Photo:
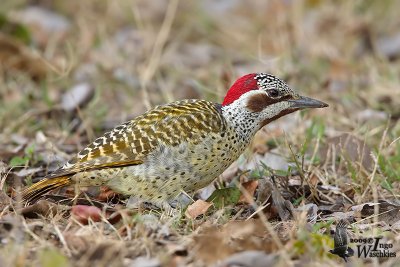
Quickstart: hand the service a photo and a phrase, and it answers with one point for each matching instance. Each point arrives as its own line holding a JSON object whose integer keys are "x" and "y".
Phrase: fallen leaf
{"x": 113, "y": 214}
{"x": 250, "y": 188}
{"x": 106, "y": 194}
{"x": 313, "y": 180}
{"x": 233, "y": 237}
{"x": 389, "y": 212}
{"x": 198, "y": 208}
{"x": 83, "y": 213}
{"x": 284, "y": 207}
{"x": 264, "y": 190}
{"x": 42, "y": 207}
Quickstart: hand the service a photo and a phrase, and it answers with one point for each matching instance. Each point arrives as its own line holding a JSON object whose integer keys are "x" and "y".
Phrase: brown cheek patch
{"x": 281, "y": 114}
{"x": 257, "y": 103}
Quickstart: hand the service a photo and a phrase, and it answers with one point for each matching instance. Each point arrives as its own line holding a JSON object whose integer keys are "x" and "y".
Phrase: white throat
{"x": 246, "y": 122}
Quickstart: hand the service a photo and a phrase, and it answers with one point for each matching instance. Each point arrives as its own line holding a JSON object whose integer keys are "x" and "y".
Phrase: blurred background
{"x": 71, "y": 70}
{"x": 130, "y": 55}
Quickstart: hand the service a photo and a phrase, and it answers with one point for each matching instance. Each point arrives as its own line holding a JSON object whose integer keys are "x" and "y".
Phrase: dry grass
{"x": 137, "y": 54}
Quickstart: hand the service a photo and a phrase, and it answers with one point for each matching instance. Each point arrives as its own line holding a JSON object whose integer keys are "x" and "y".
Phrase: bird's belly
{"x": 170, "y": 170}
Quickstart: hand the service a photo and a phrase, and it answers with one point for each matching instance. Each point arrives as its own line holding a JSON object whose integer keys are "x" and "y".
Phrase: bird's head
{"x": 266, "y": 97}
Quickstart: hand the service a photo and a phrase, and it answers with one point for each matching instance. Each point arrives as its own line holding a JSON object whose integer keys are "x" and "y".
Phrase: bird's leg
{"x": 174, "y": 206}
{"x": 167, "y": 208}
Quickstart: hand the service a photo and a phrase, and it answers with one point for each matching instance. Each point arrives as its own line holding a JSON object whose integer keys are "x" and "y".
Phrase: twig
{"x": 372, "y": 175}
{"x": 156, "y": 54}
{"x": 62, "y": 239}
{"x": 266, "y": 223}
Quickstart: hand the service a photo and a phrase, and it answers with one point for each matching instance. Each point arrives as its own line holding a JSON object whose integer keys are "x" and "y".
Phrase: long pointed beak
{"x": 307, "y": 102}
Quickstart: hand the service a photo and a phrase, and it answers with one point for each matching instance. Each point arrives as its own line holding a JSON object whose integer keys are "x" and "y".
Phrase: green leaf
{"x": 256, "y": 174}
{"x": 18, "y": 161}
{"x": 282, "y": 173}
{"x": 16, "y": 30}
{"x": 315, "y": 131}
{"x": 29, "y": 150}
{"x": 387, "y": 185}
{"x": 52, "y": 257}
{"x": 298, "y": 201}
{"x": 225, "y": 196}
{"x": 22, "y": 33}
{"x": 318, "y": 226}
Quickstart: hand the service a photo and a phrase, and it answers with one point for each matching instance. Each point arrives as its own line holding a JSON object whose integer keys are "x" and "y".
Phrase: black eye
{"x": 273, "y": 93}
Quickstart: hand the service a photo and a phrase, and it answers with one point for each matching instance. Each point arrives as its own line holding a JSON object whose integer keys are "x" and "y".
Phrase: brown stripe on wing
{"x": 88, "y": 166}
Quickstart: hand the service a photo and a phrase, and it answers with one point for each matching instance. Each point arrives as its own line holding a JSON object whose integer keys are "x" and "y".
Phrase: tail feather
{"x": 47, "y": 184}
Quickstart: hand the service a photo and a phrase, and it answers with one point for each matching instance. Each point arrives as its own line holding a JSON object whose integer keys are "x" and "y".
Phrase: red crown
{"x": 242, "y": 85}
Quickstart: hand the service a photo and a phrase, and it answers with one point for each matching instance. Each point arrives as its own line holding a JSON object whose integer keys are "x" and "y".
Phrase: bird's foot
{"x": 170, "y": 211}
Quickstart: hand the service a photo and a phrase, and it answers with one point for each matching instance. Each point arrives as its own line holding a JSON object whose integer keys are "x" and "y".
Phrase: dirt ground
{"x": 71, "y": 70}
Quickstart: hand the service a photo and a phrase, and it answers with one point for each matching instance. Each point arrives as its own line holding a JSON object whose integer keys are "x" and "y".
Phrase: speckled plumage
{"x": 181, "y": 146}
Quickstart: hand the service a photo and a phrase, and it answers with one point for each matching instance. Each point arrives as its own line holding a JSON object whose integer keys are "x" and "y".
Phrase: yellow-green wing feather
{"x": 130, "y": 143}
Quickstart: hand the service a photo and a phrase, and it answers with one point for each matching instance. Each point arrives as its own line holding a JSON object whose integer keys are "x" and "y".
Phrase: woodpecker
{"x": 179, "y": 147}
{"x": 341, "y": 242}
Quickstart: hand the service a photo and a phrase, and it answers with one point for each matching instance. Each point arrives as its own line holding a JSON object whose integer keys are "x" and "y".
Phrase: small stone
{"x": 77, "y": 97}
